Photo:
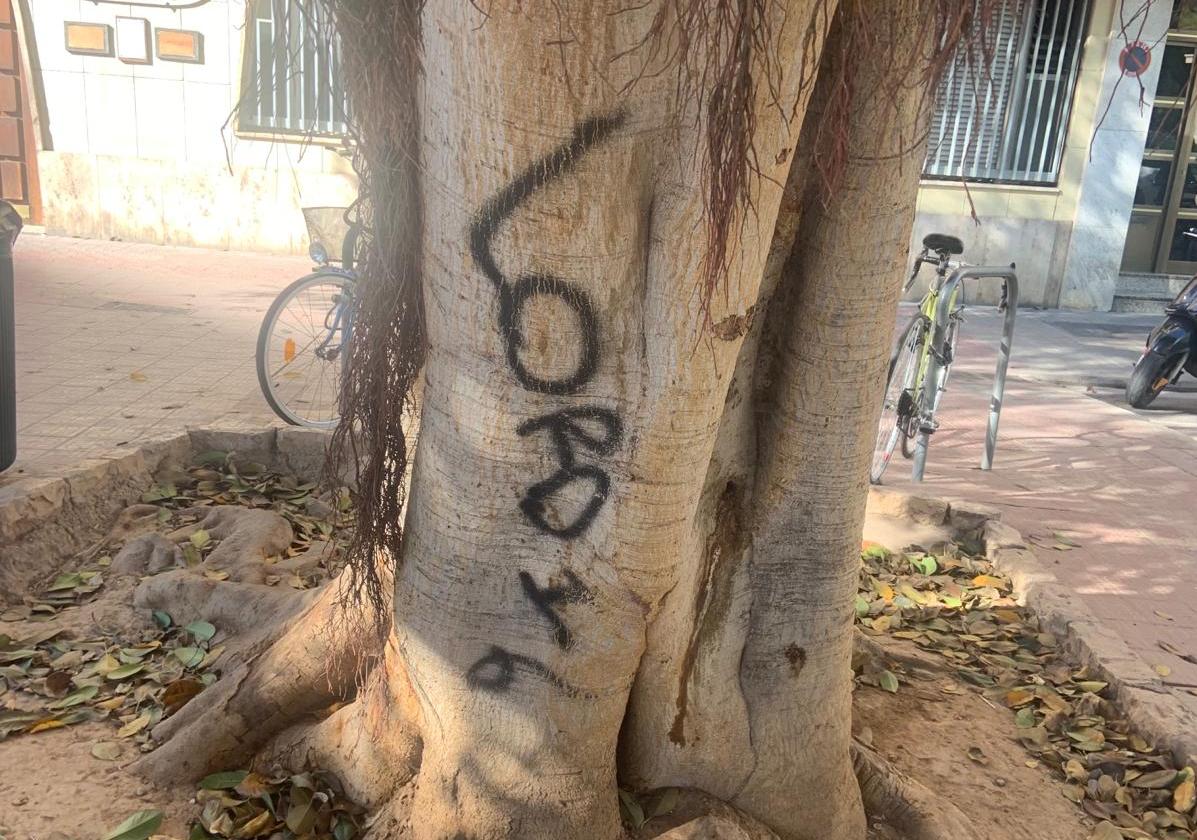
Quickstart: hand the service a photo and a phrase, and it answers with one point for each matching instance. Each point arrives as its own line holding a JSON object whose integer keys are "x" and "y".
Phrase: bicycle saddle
{"x": 943, "y": 242}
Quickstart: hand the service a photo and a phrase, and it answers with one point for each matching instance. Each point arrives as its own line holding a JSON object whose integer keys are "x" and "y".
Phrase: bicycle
{"x": 910, "y": 403}
{"x": 304, "y": 339}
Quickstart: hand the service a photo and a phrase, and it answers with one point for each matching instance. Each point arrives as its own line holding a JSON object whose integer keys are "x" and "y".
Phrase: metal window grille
{"x": 1002, "y": 109}
{"x": 292, "y": 79}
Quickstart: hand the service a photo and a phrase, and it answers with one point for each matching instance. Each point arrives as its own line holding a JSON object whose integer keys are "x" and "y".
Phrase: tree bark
{"x": 631, "y": 538}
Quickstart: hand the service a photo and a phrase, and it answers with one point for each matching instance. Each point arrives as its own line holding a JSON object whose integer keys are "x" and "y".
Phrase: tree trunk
{"x": 631, "y": 539}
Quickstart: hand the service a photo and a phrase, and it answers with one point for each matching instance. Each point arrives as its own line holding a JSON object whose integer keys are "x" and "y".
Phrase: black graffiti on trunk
{"x": 495, "y": 672}
{"x": 547, "y": 598}
{"x": 566, "y": 433}
{"x": 514, "y": 296}
{"x": 593, "y": 429}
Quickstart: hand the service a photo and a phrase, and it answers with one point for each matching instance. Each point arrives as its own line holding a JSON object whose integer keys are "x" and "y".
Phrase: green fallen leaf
{"x": 159, "y": 492}
{"x": 201, "y": 631}
{"x": 225, "y": 780}
{"x": 162, "y": 619}
{"x": 632, "y": 812}
{"x": 138, "y": 827}
{"x": 343, "y": 829}
{"x": 106, "y": 750}
{"x": 888, "y": 680}
{"x": 301, "y": 815}
{"x": 126, "y": 671}
{"x": 665, "y": 803}
{"x": 200, "y": 538}
{"x": 191, "y": 555}
{"x": 75, "y": 698}
{"x": 862, "y": 607}
{"x": 189, "y": 656}
{"x": 64, "y": 582}
{"x": 925, "y": 564}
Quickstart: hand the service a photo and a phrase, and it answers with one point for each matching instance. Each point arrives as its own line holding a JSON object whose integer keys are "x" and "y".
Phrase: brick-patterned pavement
{"x": 119, "y": 342}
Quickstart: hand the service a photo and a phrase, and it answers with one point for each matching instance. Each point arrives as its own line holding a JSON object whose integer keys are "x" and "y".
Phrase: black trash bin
{"x": 10, "y": 226}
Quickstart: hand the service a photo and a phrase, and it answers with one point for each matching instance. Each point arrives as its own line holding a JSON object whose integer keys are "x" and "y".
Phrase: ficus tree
{"x": 640, "y": 261}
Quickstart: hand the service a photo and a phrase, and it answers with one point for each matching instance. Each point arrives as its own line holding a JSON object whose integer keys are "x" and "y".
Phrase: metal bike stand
{"x": 935, "y": 367}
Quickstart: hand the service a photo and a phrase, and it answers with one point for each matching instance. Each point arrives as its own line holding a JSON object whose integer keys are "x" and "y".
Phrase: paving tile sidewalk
{"x": 119, "y": 342}
{"x": 1074, "y": 459}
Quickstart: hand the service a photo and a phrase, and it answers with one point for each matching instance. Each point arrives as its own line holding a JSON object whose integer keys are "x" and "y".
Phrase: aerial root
{"x": 904, "y": 803}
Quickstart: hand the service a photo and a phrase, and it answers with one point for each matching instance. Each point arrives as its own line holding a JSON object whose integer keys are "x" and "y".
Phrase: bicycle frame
{"x": 929, "y": 309}
{"x": 341, "y": 321}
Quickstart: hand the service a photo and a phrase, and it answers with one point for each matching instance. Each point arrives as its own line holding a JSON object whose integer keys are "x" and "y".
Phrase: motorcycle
{"x": 1169, "y": 350}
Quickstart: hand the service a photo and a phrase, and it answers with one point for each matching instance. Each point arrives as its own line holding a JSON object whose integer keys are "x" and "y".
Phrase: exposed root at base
{"x": 281, "y": 682}
{"x": 237, "y": 608}
{"x": 372, "y": 745}
{"x": 905, "y": 803}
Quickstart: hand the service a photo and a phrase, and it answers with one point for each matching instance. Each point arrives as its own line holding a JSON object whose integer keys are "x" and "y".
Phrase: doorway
{"x": 1165, "y": 205}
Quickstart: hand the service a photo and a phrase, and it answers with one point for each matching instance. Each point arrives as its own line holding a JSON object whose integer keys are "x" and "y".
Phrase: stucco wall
{"x": 143, "y": 152}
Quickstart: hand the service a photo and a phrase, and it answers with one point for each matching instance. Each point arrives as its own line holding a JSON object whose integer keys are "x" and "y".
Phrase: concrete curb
{"x": 1151, "y": 707}
{"x": 44, "y": 519}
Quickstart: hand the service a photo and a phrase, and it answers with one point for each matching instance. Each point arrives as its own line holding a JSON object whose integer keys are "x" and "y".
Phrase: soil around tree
{"x": 937, "y": 728}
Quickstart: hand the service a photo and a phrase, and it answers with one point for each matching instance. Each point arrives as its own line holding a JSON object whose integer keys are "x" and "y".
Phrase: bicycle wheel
{"x": 302, "y": 346}
{"x": 898, "y": 406}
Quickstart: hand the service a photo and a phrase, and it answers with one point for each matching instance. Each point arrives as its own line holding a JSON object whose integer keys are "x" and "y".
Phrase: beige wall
{"x": 143, "y": 153}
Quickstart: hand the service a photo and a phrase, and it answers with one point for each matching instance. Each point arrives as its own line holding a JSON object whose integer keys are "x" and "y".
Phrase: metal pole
{"x": 10, "y": 226}
{"x": 999, "y": 376}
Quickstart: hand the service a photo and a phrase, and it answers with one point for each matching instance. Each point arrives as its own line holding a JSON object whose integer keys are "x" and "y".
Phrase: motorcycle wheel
{"x": 1151, "y": 374}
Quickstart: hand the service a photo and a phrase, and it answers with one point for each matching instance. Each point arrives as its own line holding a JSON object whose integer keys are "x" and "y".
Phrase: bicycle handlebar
{"x": 936, "y": 258}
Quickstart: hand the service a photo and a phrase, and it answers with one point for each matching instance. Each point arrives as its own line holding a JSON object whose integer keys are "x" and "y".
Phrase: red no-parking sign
{"x": 1134, "y": 59}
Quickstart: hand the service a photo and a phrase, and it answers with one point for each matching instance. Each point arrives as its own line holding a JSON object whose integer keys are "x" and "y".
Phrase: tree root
{"x": 312, "y": 666}
{"x": 247, "y": 537}
{"x": 234, "y": 608}
{"x": 700, "y": 816}
{"x": 372, "y": 745}
{"x": 905, "y": 803}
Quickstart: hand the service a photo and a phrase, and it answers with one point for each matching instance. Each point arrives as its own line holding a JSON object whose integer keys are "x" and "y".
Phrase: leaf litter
{"x": 133, "y": 681}
{"x": 962, "y": 609}
{"x": 217, "y": 478}
{"x": 137, "y": 680}
{"x": 241, "y": 805}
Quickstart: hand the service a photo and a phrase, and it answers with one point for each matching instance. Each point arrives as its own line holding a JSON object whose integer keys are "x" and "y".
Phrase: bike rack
{"x": 935, "y": 367}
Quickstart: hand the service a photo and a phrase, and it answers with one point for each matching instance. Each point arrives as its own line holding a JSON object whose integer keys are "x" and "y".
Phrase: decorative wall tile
{"x": 83, "y": 38}
{"x": 179, "y": 45}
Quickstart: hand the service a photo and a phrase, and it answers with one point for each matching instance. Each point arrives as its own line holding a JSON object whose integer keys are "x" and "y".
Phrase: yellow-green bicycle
{"x": 910, "y": 400}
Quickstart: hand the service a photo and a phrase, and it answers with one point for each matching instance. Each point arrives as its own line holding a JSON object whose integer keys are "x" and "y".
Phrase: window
{"x": 292, "y": 78}
{"x": 1007, "y": 123}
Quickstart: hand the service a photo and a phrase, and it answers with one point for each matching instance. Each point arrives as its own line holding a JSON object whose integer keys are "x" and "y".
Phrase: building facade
{"x": 1046, "y": 147}
{"x": 212, "y": 122}
{"x": 190, "y": 122}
